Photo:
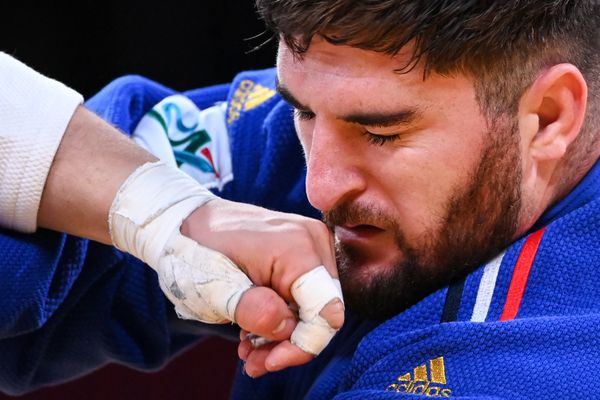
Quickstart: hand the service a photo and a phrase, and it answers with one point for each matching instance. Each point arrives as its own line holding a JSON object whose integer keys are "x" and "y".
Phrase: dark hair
{"x": 502, "y": 44}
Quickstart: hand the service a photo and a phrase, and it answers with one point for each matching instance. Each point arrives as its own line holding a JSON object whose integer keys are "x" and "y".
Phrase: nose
{"x": 333, "y": 167}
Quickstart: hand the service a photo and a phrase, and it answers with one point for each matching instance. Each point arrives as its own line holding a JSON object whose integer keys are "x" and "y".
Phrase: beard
{"x": 480, "y": 219}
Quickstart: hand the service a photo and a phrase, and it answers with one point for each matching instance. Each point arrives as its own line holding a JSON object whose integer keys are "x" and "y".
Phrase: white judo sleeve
{"x": 34, "y": 114}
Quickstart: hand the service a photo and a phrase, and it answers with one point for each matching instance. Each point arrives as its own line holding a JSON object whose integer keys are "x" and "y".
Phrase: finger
{"x": 208, "y": 292}
{"x": 258, "y": 341}
{"x": 306, "y": 244}
{"x": 316, "y": 292}
{"x": 284, "y": 355}
{"x": 326, "y": 247}
{"x": 255, "y": 362}
{"x": 262, "y": 312}
{"x": 333, "y": 313}
{"x": 244, "y": 349}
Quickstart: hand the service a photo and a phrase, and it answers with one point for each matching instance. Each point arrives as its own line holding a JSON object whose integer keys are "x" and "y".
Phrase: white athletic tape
{"x": 145, "y": 220}
{"x": 203, "y": 284}
{"x": 312, "y": 291}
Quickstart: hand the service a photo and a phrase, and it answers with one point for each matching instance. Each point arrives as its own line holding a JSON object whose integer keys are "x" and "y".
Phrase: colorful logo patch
{"x": 176, "y": 131}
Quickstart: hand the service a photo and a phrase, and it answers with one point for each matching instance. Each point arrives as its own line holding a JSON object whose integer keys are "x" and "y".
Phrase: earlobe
{"x": 552, "y": 111}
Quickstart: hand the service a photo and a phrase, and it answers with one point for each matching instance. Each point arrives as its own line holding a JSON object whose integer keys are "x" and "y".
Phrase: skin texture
{"x": 399, "y": 195}
{"x": 82, "y": 183}
{"x": 417, "y": 185}
{"x": 388, "y": 201}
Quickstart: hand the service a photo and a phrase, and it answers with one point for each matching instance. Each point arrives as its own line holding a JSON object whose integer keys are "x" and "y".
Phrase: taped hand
{"x": 274, "y": 249}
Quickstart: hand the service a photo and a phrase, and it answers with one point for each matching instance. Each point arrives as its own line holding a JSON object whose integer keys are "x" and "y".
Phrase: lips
{"x": 368, "y": 247}
{"x": 357, "y": 233}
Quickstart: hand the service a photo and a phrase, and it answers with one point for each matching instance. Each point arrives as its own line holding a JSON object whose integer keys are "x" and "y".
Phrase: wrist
{"x": 150, "y": 206}
{"x": 197, "y": 224}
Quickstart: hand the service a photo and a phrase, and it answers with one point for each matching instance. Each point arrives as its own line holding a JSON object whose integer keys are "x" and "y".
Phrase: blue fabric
{"x": 268, "y": 163}
{"x": 550, "y": 350}
{"x": 70, "y": 306}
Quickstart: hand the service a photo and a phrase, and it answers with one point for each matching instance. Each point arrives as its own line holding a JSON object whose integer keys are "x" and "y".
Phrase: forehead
{"x": 345, "y": 78}
{"x": 338, "y": 62}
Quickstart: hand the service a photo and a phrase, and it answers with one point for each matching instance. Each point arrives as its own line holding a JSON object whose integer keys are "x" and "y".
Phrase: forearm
{"x": 92, "y": 175}
{"x": 60, "y": 165}
{"x": 91, "y": 163}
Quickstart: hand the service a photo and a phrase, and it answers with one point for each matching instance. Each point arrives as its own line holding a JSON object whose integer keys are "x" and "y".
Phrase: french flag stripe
{"x": 486, "y": 289}
{"x": 520, "y": 275}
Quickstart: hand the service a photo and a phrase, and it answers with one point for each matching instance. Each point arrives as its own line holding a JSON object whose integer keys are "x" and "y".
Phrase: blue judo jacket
{"x": 523, "y": 325}
{"x": 69, "y": 305}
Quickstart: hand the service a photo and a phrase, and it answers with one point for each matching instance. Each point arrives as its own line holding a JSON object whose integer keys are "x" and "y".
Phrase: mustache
{"x": 357, "y": 214}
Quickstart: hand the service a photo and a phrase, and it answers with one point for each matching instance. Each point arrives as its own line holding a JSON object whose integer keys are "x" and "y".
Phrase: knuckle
{"x": 297, "y": 246}
{"x": 320, "y": 229}
{"x": 306, "y": 243}
{"x": 267, "y": 311}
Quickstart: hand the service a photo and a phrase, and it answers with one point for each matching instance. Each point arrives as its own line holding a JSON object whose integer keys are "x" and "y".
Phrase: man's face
{"x": 414, "y": 183}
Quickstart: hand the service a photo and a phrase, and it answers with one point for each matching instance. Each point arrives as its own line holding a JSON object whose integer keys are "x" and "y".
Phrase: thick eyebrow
{"x": 375, "y": 119}
{"x": 287, "y": 96}
{"x": 383, "y": 120}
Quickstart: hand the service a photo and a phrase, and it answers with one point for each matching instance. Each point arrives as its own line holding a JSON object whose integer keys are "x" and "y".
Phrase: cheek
{"x": 425, "y": 177}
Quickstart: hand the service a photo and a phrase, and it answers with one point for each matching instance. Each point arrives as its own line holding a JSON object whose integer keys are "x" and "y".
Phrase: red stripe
{"x": 207, "y": 154}
{"x": 520, "y": 276}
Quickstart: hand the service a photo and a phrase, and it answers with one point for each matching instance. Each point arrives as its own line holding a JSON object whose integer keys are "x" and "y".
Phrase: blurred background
{"x": 181, "y": 44}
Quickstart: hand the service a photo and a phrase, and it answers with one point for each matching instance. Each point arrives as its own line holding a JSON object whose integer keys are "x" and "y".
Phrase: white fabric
{"x": 485, "y": 292}
{"x": 175, "y": 130}
{"x": 34, "y": 114}
{"x": 312, "y": 291}
{"x": 145, "y": 220}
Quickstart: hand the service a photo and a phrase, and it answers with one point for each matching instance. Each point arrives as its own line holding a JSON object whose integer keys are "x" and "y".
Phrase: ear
{"x": 551, "y": 113}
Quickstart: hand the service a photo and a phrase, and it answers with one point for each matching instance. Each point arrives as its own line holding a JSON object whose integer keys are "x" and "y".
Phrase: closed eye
{"x": 303, "y": 115}
{"x": 380, "y": 140}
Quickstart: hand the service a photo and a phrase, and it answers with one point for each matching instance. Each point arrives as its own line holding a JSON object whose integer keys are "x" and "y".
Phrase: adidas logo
{"x": 421, "y": 382}
{"x": 258, "y": 95}
{"x": 247, "y": 96}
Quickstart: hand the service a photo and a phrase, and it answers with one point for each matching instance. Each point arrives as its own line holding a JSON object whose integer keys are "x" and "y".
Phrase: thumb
{"x": 262, "y": 312}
